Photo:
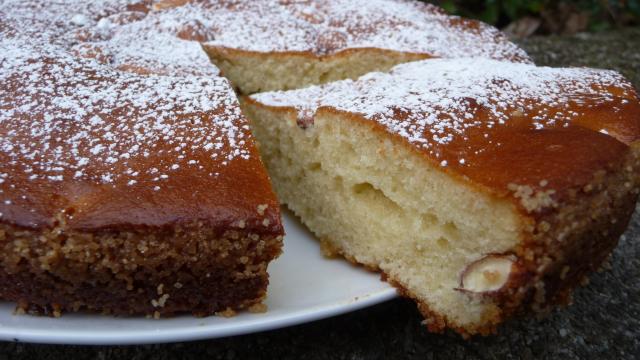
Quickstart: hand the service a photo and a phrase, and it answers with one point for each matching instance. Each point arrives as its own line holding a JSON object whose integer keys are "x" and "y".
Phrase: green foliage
{"x": 601, "y": 14}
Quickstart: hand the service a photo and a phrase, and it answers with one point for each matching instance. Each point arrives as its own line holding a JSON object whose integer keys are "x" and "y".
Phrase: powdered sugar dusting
{"x": 85, "y": 96}
{"x": 138, "y": 36}
{"x": 68, "y": 116}
{"x": 329, "y": 26}
{"x": 433, "y": 103}
{"x": 132, "y": 41}
{"x": 121, "y": 33}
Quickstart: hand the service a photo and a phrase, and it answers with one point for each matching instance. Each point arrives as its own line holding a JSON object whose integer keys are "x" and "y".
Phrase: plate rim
{"x": 193, "y": 333}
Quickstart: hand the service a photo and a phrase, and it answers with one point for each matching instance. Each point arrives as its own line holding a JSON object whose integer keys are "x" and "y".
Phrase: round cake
{"x": 429, "y": 148}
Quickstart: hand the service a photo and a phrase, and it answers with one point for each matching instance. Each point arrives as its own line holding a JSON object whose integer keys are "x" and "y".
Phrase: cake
{"x": 479, "y": 185}
{"x": 121, "y": 192}
{"x": 284, "y": 44}
{"x": 481, "y": 189}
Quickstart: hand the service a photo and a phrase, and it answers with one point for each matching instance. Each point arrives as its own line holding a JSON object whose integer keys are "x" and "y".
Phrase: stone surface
{"x": 604, "y": 321}
{"x": 617, "y": 50}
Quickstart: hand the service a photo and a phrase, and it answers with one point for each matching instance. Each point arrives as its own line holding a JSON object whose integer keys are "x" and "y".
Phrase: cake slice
{"x": 479, "y": 188}
{"x": 283, "y": 44}
{"x": 127, "y": 194}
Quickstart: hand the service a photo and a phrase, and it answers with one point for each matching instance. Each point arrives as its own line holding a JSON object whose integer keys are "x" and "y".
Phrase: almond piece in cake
{"x": 479, "y": 188}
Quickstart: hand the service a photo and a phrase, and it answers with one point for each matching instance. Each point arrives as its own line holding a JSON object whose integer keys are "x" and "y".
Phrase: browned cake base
{"x": 157, "y": 273}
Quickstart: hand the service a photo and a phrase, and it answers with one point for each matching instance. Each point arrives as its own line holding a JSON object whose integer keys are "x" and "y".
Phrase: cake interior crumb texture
{"x": 256, "y": 72}
{"x": 383, "y": 206}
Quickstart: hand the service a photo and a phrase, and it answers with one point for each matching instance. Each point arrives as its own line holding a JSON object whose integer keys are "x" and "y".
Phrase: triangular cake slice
{"x": 126, "y": 194}
{"x": 478, "y": 188}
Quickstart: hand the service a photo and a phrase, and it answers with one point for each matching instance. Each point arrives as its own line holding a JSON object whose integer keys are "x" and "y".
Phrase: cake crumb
{"x": 160, "y": 302}
{"x": 163, "y": 300}
{"x": 227, "y": 313}
{"x": 19, "y": 310}
{"x": 530, "y": 199}
{"x": 262, "y": 208}
{"x": 328, "y": 249}
{"x": 56, "y": 310}
{"x": 258, "y": 308}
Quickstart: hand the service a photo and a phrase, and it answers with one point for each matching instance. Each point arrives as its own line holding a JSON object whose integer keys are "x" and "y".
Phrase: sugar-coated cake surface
{"x": 330, "y": 26}
{"x": 287, "y": 44}
{"x": 112, "y": 32}
{"x": 130, "y": 182}
{"x": 130, "y": 29}
{"x": 279, "y": 44}
{"x": 435, "y": 102}
{"x": 463, "y": 113}
{"x": 73, "y": 127}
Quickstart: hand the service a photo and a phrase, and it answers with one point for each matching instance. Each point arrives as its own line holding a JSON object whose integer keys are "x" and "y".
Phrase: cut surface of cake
{"x": 281, "y": 44}
{"x": 478, "y": 188}
{"x": 120, "y": 192}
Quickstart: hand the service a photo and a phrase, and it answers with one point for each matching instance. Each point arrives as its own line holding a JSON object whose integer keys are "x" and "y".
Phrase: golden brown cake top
{"x": 99, "y": 148}
{"x": 323, "y": 27}
{"x": 502, "y": 125}
{"x": 116, "y": 33}
{"x": 164, "y": 36}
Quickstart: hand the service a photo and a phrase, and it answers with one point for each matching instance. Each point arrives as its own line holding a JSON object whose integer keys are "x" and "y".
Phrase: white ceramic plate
{"x": 304, "y": 286}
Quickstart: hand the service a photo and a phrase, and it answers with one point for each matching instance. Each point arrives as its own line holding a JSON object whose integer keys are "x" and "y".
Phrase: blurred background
{"x": 523, "y": 18}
